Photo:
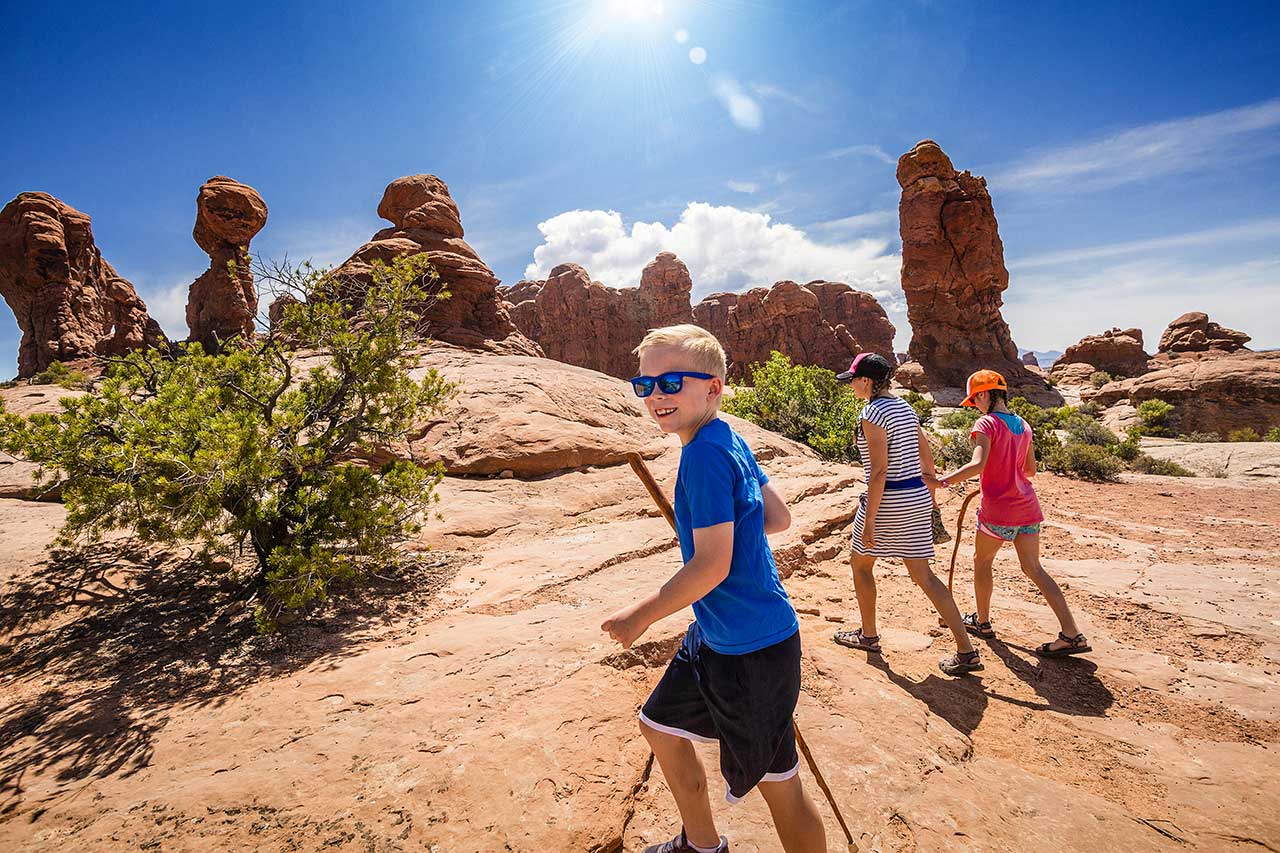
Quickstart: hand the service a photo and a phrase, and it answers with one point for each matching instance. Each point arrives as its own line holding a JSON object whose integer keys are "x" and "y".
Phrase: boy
{"x": 1006, "y": 458}
{"x": 736, "y": 677}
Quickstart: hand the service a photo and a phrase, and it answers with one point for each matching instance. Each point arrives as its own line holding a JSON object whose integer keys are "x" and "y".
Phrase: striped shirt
{"x": 902, "y": 427}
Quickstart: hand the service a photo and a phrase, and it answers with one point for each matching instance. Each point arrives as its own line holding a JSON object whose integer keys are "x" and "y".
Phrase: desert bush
{"x": 1200, "y": 437}
{"x": 922, "y": 404}
{"x": 12, "y": 383}
{"x": 1083, "y": 461}
{"x": 1090, "y": 409}
{"x": 1154, "y": 417}
{"x": 1129, "y": 449}
{"x": 1145, "y": 464}
{"x": 951, "y": 452}
{"x": 960, "y": 419}
{"x": 239, "y": 453}
{"x": 1085, "y": 430}
{"x": 58, "y": 373}
{"x": 1099, "y": 378}
{"x": 1273, "y": 434}
{"x": 806, "y": 404}
{"x": 1245, "y": 434}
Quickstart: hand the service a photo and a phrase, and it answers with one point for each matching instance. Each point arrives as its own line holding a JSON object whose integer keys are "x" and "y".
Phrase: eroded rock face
{"x": 223, "y": 303}
{"x": 1115, "y": 351}
{"x": 70, "y": 304}
{"x": 1209, "y": 395}
{"x": 426, "y": 221}
{"x": 954, "y": 275}
{"x": 1194, "y": 332}
{"x": 1030, "y": 360}
{"x": 821, "y": 323}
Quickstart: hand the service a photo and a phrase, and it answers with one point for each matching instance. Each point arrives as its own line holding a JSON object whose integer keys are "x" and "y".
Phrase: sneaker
{"x": 680, "y": 844}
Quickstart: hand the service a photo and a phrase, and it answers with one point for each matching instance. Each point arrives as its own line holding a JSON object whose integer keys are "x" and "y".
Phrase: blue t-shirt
{"x": 720, "y": 481}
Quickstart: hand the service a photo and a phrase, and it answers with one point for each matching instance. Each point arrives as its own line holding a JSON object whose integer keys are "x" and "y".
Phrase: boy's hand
{"x": 626, "y": 626}
{"x": 868, "y": 534}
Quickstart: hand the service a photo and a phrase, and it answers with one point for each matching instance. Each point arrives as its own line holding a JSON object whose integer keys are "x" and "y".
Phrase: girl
{"x": 1005, "y": 457}
{"x": 894, "y": 517}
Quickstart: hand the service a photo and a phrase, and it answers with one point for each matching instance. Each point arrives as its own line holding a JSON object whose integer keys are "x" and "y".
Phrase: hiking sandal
{"x": 680, "y": 844}
{"x": 1079, "y": 645}
{"x": 960, "y": 663}
{"x": 855, "y": 639}
{"x": 978, "y": 629}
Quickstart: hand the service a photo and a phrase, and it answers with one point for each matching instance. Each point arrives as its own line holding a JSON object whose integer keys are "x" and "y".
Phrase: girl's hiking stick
{"x": 955, "y": 549}
{"x": 664, "y": 507}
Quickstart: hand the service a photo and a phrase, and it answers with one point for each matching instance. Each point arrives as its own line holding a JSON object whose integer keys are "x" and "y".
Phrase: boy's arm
{"x": 712, "y": 554}
{"x": 777, "y": 517}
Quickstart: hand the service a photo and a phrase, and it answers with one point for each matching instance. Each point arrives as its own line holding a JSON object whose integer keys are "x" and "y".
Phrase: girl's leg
{"x": 938, "y": 593}
{"x": 864, "y": 587}
{"x": 985, "y": 549}
{"x": 1028, "y": 547}
{"x": 688, "y": 783}
{"x": 794, "y": 816}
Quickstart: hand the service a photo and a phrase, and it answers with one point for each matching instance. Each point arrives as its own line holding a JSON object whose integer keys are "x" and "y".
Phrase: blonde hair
{"x": 704, "y": 351}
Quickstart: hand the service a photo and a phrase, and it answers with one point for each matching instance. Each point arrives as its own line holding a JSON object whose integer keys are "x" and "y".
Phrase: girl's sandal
{"x": 978, "y": 629}
{"x": 855, "y": 639}
{"x": 1078, "y": 646}
{"x": 960, "y": 663}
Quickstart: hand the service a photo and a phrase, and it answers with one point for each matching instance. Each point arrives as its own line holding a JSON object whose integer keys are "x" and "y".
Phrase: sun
{"x": 635, "y": 11}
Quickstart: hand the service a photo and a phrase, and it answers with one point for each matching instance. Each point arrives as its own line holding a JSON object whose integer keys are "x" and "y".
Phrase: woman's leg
{"x": 1028, "y": 547}
{"x": 938, "y": 593}
{"x": 864, "y": 587}
{"x": 985, "y": 548}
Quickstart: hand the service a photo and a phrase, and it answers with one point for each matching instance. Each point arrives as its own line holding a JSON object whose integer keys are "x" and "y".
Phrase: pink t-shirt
{"x": 1008, "y": 498}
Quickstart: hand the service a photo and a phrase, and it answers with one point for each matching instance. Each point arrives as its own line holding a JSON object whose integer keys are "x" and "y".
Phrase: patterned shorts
{"x": 1006, "y": 532}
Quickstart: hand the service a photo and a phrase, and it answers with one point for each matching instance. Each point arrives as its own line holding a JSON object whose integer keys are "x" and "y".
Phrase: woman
{"x": 894, "y": 517}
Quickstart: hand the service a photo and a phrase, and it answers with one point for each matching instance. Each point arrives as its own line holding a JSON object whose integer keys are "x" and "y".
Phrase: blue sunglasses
{"x": 670, "y": 383}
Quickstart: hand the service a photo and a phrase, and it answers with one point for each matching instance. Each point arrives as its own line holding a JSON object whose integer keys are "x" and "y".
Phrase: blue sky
{"x": 1132, "y": 149}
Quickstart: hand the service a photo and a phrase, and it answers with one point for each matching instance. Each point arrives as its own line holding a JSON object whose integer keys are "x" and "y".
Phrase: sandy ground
{"x": 474, "y": 705}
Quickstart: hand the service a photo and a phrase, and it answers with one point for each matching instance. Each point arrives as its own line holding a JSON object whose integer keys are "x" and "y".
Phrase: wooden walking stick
{"x": 955, "y": 549}
{"x": 664, "y": 507}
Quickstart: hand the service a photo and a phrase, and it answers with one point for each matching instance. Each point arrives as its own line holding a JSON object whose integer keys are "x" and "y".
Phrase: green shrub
{"x": 1273, "y": 434}
{"x": 1145, "y": 464}
{"x": 12, "y": 383}
{"x": 1200, "y": 437}
{"x": 1154, "y": 416}
{"x": 1083, "y": 461}
{"x": 960, "y": 419}
{"x": 1085, "y": 430}
{"x": 1245, "y": 434}
{"x": 1090, "y": 409}
{"x": 58, "y": 373}
{"x": 922, "y": 404}
{"x": 1129, "y": 449}
{"x": 951, "y": 452}
{"x": 803, "y": 403}
{"x": 1099, "y": 378}
{"x": 238, "y": 452}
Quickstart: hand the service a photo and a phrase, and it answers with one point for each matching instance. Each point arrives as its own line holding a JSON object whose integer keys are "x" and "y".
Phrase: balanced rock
{"x": 820, "y": 323}
{"x": 1118, "y": 352}
{"x": 1193, "y": 332}
{"x": 1030, "y": 360}
{"x": 70, "y": 304}
{"x": 426, "y": 221}
{"x": 223, "y": 303}
{"x": 954, "y": 275}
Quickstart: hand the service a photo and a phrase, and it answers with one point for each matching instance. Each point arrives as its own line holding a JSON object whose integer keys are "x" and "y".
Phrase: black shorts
{"x": 745, "y": 702}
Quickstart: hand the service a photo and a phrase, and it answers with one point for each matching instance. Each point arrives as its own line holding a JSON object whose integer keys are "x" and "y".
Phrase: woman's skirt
{"x": 903, "y": 525}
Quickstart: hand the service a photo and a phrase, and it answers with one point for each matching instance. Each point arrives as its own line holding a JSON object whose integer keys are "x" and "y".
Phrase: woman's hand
{"x": 869, "y": 534}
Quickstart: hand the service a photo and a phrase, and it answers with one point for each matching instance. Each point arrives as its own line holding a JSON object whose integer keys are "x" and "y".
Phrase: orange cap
{"x": 984, "y": 380}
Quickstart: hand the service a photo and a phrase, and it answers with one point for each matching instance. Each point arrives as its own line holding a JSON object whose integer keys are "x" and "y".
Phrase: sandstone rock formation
{"x": 70, "y": 304}
{"x": 426, "y": 221}
{"x": 1193, "y": 332}
{"x": 1030, "y": 360}
{"x": 820, "y": 323}
{"x": 953, "y": 274}
{"x": 1118, "y": 352}
{"x": 1209, "y": 395}
{"x": 223, "y": 303}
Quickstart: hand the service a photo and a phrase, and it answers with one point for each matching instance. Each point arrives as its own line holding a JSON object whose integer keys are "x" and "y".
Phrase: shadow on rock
{"x": 1067, "y": 685}
{"x": 108, "y": 642}
{"x": 959, "y": 701}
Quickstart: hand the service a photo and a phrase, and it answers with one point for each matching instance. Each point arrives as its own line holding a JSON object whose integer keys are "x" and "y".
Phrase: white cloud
{"x": 167, "y": 305}
{"x": 1261, "y": 229}
{"x": 873, "y": 151}
{"x": 872, "y": 219}
{"x": 743, "y": 110}
{"x": 742, "y": 186}
{"x": 725, "y": 248}
{"x": 1149, "y": 151}
{"x": 769, "y": 90}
